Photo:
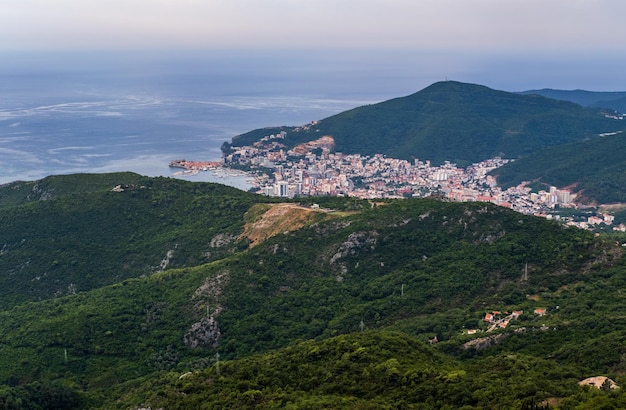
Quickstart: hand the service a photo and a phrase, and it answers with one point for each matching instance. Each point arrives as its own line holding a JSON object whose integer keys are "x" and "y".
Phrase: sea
{"x": 65, "y": 113}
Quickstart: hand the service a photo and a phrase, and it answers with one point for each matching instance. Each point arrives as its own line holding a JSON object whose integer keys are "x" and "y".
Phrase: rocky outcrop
{"x": 204, "y": 333}
{"x": 221, "y": 239}
{"x": 484, "y": 342}
{"x": 356, "y": 241}
{"x": 599, "y": 382}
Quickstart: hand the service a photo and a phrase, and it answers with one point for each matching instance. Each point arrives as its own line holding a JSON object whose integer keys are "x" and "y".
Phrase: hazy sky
{"x": 584, "y": 40}
{"x": 441, "y": 24}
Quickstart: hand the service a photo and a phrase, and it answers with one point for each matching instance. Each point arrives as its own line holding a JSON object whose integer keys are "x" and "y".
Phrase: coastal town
{"x": 315, "y": 169}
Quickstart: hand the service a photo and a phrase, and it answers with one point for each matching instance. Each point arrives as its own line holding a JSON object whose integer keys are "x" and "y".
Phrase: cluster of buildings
{"x": 592, "y": 221}
{"x": 496, "y": 320}
{"x": 314, "y": 169}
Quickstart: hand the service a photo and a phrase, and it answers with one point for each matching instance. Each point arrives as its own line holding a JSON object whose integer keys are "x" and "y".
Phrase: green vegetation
{"x": 336, "y": 314}
{"x": 600, "y": 99}
{"x": 69, "y": 234}
{"x": 596, "y": 169}
{"x": 451, "y": 121}
{"x": 391, "y": 369}
{"x": 554, "y": 142}
{"x": 16, "y": 193}
{"x": 443, "y": 254}
{"x": 368, "y": 370}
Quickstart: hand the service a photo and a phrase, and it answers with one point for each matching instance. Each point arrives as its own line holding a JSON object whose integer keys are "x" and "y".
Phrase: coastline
{"x": 212, "y": 171}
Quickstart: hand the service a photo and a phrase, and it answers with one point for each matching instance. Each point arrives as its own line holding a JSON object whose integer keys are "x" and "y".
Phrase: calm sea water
{"x": 76, "y": 114}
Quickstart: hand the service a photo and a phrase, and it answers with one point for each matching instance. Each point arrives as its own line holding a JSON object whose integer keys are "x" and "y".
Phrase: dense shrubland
{"x": 338, "y": 313}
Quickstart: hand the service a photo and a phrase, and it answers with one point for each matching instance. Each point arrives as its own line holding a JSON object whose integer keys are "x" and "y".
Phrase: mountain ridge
{"x": 378, "y": 293}
{"x": 615, "y": 100}
{"x": 451, "y": 121}
{"x": 594, "y": 169}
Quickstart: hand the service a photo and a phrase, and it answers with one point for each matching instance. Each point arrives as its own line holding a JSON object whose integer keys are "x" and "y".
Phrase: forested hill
{"x": 452, "y": 121}
{"x": 601, "y": 99}
{"x": 595, "y": 169}
{"x": 163, "y": 293}
{"x": 73, "y": 233}
{"x": 21, "y": 192}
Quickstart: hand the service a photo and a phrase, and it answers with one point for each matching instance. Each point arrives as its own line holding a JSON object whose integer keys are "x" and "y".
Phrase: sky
{"x": 584, "y": 40}
{"x": 477, "y": 25}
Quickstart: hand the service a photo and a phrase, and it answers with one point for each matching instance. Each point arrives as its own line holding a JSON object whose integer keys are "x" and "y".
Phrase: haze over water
{"x": 78, "y": 112}
{"x": 130, "y": 115}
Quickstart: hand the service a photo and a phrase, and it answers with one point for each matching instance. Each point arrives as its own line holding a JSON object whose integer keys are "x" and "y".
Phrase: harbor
{"x": 212, "y": 171}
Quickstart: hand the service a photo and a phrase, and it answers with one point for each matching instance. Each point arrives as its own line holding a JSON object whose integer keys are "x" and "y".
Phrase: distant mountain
{"x": 452, "y": 121}
{"x": 617, "y": 104}
{"x": 595, "y": 169}
{"x": 599, "y": 99}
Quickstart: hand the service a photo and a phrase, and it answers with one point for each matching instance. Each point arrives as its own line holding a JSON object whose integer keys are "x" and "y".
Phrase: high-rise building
{"x": 281, "y": 189}
{"x": 564, "y": 197}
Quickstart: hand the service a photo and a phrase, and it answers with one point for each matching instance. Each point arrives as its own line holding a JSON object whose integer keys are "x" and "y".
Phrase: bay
{"x": 73, "y": 114}
{"x": 134, "y": 133}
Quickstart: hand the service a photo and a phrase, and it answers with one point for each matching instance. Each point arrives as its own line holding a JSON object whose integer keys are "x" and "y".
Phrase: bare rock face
{"x": 484, "y": 342}
{"x": 211, "y": 289}
{"x": 356, "y": 242}
{"x": 221, "y": 240}
{"x": 204, "y": 333}
{"x": 599, "y": 382}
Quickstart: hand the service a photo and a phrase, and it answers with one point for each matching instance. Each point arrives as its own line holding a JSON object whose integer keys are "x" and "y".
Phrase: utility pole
{"x": 525, "y": 277}
{"x": 217, "y": 363}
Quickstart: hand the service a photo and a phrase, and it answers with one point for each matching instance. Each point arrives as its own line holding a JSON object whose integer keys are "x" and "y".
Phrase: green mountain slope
{"x": 618, "y": 104}
{"x": 21, "y": 192}
{"x": 401, "y": 260}
{"x": 423, "y": 269}
{"x": 600, "y": 99}
{"x": 317, "y": 374}
{"x": 595, "y": 169}
{"x": 368, "y": 370}
{"x": 70, "y": 234}
{"x": 452, "y": 121}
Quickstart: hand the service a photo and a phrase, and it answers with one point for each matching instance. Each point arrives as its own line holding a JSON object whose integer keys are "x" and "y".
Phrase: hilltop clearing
{"x": 266, "y": 220}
